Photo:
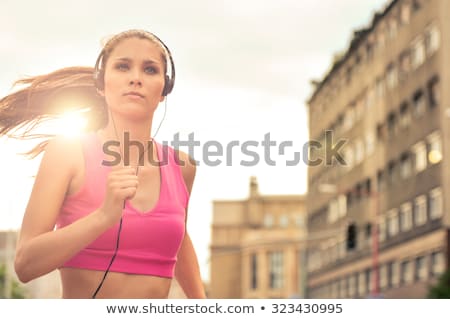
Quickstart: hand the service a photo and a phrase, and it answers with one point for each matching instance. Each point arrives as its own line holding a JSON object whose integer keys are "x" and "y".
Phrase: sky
{"x": 243, "y": 72}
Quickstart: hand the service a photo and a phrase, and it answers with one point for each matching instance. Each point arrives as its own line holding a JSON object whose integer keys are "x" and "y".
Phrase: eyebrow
{"x": 145, "y": 61}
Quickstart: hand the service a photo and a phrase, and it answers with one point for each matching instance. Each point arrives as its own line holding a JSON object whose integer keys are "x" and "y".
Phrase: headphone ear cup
{"x": 167, "y": 86}
{"x": 99, "y": 79}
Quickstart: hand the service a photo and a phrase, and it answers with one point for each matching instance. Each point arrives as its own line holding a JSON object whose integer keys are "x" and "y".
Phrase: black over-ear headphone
{"x": 169, "y": 82}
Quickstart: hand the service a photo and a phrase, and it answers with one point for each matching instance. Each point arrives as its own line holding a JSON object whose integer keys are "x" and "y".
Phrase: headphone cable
{"x": 112, "y": 260}
{"x": 121, "y": 218}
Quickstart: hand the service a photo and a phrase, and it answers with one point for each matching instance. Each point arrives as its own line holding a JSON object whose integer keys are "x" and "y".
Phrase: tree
{"x": 441, "y": 290}
{"x": 16, "y": 290}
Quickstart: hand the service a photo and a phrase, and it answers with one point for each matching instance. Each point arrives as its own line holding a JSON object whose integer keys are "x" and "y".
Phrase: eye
{"x": 151, "y": 70}
{"x": 122, "y": 66}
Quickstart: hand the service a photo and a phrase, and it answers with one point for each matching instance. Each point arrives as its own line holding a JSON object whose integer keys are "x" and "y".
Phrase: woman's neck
{"x": 134, "y": 139}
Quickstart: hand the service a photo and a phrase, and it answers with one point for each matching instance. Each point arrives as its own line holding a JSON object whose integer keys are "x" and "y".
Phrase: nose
{"x": 135, "y": 78}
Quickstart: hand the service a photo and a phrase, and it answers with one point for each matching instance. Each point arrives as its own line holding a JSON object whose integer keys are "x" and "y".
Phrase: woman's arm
{"x": 187, "y": 270}
{"x": 40, "y": 249}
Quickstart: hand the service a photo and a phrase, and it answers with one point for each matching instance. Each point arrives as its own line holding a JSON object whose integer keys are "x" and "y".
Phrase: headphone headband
{"x": 169, "y": 82}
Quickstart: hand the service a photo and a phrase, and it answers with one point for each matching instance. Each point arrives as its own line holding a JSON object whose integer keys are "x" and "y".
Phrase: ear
{"x": 162, "y": 98}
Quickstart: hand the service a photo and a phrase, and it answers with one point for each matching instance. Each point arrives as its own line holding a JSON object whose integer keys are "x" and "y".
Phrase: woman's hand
{"x": 121, "y": 185}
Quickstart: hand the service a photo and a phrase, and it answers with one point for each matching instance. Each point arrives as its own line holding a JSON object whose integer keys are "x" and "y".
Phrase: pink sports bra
{"x": 149, "y": 241}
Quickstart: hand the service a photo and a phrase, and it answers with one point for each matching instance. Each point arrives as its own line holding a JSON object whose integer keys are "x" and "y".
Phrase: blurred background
{"x": 362, "y": 213}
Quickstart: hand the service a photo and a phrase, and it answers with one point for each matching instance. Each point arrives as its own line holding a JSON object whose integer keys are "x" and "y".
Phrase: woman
{"x": 115, "y": 227}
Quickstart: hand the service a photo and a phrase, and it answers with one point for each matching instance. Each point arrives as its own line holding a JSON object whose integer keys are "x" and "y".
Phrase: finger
{"x": 128, "y": 183}
{"x": 116, "y": 181}
{"x": 123, "y": 171}
{"x": 121, "y": 166}
{"x": 128, "y": 193}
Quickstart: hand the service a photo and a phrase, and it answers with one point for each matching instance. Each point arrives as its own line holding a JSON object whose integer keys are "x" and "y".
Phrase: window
{"x": 420, "y": 271}
{"x": 268, "y": 220}
{"x": 313, "y": 259}
{"x": 432, "y": 39}
{"x": 358, "y": 191}
{"x": 343, "y": 288}
{"x": 318, "y": 259}
{"x": 348, "y": 156}
{"x": 368, "y": 187}
{"x": 359, "y": 108}
{"x": 342, "y": 205}
{"x": 380, "y": 181}
{"x": 335, "y": 290}
{"x": 435, "y": 148}
{"x": 383, "y": 276}
{"x": 359, "y": 151}
{"x": 276, "y": 270}
{"x": 284, "y": 221}
{"x": 381, "y": 131}
{"x": 420, "y": 156}
{"x": 381, "y": 35}
{"x": 369, "y": 49}
{"x": 437, "y": 263}
{"x": 405, "y": 166}
{"x": 392, "y": 222}
{"x": 368, "y": 233}
{"x": 379, "y": 87}
{"x": 382, "y": 230}
{"x": 392, "y": 28}
{"x": 333, "y": 211}
{"x": 368, "y": 278}
{"x": 340, "y": 123}
{"x": 352, "y": 286}
{"x": 370, "y": 142}
{"x": 341, "y": 249}
{"x": 406, "y": 217}
{"x": 405, "y": 13}
{"x": 420, "y": 210}
{"x": 254, "y": 271}
{"x": 362, "y": 283}
{"x": 348, "y": 74}
{"x": 434, "y": 92}
{"x": 419, "y": 103}
{"x": 299, "y": 220}
{"x": 418, "y": 52}
{"x": 391, "y": 76}
{"x": 393, "y": 275}
{"x": 392, "y": 122}
{"x": 349, "y": 119}
{"x": 405, "y": 65}
{"x": 349, "y": 197}
{"x": 405, "y": 116}
{"x": 391, "y": 172}
{"x": 416, "y": 5}
{"x": 406, "y": 274}
{"x": 333, "y": 251}
{"x": 370, "y": 97}
{"x": 435, "y": 203}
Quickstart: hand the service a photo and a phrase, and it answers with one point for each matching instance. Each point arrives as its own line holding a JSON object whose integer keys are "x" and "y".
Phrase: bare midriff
{"x": 82, "y": 283}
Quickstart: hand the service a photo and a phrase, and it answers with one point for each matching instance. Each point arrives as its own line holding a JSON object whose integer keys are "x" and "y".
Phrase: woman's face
{"x": 134, "y": 78}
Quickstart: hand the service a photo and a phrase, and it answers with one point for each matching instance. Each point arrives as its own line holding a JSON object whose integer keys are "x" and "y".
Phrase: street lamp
{"x": 333, "y": 189}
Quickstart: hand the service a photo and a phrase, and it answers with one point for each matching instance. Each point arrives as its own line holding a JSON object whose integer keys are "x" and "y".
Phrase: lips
{"x": 135, "y": 94}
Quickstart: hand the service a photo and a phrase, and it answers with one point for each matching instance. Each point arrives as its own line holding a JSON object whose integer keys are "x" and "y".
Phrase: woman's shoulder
{"x": 188, "y": 167}
{"x": 64, "y": 144}
{"x": 64, "y": 150}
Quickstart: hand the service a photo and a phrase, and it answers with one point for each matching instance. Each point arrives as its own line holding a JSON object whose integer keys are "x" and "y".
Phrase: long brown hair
{"x": 38, "y": 101}
{"x": 43, "y": 97}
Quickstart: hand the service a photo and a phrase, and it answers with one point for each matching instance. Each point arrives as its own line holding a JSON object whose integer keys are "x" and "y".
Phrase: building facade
{"x": 257, "y": 247}
{"x": 383, "y": 200}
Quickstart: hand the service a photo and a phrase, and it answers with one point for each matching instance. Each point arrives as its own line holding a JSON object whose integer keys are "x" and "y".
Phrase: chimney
{"x": 254, "y": 191}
